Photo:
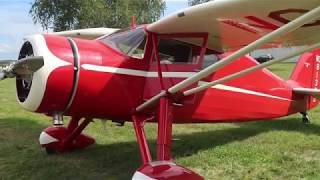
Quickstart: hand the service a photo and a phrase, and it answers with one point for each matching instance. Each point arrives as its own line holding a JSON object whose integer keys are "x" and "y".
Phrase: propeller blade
{"x": 21, "y": 67}
{"x": 27, "y": 65}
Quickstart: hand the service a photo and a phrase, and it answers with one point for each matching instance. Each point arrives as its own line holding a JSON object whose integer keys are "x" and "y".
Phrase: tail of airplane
{"x": 306, "y": 77}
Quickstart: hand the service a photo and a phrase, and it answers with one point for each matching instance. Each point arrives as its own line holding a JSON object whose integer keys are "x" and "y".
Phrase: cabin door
{"x": 178, "y": 61}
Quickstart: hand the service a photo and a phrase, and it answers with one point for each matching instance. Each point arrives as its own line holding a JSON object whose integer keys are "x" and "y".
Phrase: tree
{"x": 195, "y": 2}
{"x": 62, "y": 15}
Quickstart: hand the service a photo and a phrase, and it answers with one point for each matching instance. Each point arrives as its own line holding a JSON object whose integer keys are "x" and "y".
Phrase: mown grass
{"x": 279, "y": 149}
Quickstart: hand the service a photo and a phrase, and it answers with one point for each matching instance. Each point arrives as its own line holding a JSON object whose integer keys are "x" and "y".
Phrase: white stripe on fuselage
{"x": 244, "y": 91}
{"x": 135, "y": 72}
{"x": 141, "y": 73}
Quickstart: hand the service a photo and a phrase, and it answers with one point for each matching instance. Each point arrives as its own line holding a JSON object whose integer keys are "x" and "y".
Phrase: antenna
{"x": 132, "y": 22}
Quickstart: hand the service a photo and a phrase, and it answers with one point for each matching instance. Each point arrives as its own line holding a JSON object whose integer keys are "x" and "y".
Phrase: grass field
{"x": 282, "y": 149}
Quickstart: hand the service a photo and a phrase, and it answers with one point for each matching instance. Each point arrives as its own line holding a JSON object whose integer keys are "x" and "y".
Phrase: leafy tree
{"x": 195, "y": 2}
{"x": 62, "y": 15}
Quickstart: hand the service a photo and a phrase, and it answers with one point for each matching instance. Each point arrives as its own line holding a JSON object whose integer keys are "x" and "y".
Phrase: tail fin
{"x": 307, "y": 70}
{"x": 307, "y": 74}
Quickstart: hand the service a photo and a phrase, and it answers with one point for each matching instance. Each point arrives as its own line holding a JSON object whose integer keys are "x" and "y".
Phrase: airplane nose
{"x": 43, "y": 90}
{"x": 23, "y": 83}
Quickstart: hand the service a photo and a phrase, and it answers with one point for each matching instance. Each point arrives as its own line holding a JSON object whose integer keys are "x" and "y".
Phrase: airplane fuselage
{"x": 88, "y": 78}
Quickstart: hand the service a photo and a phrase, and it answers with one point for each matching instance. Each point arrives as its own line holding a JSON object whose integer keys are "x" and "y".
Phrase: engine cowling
{"x": 51, "y": 86}
{"x": 63, "y": 85}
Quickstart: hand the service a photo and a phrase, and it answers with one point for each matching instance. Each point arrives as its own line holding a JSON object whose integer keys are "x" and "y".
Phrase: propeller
{"x": 21, "y": 67}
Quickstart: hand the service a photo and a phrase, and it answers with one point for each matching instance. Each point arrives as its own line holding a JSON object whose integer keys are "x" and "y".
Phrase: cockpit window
{"x": 174, "y": 51}
{"x": 130, "y": 42}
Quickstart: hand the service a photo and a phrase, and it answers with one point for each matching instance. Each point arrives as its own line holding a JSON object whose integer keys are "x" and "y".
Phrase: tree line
{"x": 60, "y": 15}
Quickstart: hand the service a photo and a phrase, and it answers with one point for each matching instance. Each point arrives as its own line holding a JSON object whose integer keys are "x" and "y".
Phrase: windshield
{"x": 130, "y": 42}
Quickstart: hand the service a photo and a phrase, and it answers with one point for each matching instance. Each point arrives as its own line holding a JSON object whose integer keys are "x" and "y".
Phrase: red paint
{"x": 132, "y": 22}
{"x": 59, "y": 84}
{"x": 138, "y": 123}
{"x": 168, "y": 171}
{"x": 73, "y": 124}
{"x": 60, "y": 133}
{"x": 278, "y": 16}
{"x": 75, "y": 133}
{"x": 217, "y": 105}
{"x": 307, "y": 74}
{"x": 239, "y": 25}
{"x": 165, "y": 120}
{"x": 155, "y": 54}
{"x": 108, "y": 95}
{"x": 261, "y": 23}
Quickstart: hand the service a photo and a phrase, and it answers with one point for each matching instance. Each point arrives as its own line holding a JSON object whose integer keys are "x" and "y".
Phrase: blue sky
{"x": 15, "y": 23}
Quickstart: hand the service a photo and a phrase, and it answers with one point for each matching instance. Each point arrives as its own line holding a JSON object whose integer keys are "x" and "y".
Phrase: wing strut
{"x": 249, "y": 70}
{"x": 155, "y": 53}
{"x": 293, "y": 25}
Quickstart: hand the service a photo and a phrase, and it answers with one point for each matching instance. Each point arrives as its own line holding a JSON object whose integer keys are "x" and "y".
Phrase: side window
{"x": 176, "y": 52}
{"x": 209, "y": 59}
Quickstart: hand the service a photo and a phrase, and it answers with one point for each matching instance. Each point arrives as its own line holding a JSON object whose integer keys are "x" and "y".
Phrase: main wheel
{"x": 50, "y": 151}
{"x": 306, "y": 119}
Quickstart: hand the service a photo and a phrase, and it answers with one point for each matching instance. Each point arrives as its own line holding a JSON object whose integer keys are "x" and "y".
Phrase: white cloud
{"x": 15, "y": 24}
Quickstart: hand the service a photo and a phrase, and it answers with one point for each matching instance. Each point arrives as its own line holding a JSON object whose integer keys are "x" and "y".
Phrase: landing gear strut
{"x": 305, "y": 118}
{"x": 163, "y": 167}
{"x": 61, "y": 139}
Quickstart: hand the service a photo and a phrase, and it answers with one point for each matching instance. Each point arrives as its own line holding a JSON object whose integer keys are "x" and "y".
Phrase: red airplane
{"x": 190, "y": 67}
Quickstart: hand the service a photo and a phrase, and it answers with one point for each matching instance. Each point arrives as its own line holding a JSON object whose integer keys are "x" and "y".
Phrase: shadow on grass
{"x": 192, "y": 143}
{"x": 118, "y": 160}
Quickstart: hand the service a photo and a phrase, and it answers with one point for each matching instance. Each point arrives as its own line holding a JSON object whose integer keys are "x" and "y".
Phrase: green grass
{"x": 283, "y": 69}
{"x": 283, "y": 149}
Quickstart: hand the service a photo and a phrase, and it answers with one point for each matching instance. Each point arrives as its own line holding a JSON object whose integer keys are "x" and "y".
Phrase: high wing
{"x": 233, "y": 24}
{"x": 90, "y": 33}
